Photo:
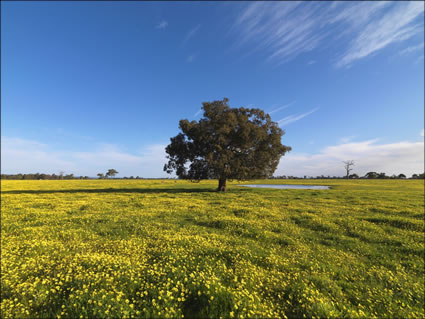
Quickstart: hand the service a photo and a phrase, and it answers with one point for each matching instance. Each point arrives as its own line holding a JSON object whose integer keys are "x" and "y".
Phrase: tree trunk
{"x": 221, "y": 185}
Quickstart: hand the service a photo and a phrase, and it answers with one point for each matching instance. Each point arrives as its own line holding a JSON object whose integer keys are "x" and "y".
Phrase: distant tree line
{"x": 375, "y": 175}
{"x": 369, "y": 175}
{"x": 42, "y": 176}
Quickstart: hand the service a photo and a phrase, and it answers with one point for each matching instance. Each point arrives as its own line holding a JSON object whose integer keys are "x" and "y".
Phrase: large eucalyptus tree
{"x": 227, "y": 143}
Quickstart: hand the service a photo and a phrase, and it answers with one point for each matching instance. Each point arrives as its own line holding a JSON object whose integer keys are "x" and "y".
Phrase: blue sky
{"x": 88, "y": 86}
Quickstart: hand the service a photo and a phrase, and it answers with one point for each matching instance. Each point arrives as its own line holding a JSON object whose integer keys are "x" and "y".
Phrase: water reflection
{"x": 286, "y": 186}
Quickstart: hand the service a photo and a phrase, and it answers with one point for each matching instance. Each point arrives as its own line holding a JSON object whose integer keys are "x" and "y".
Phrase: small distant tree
{"x": 347, "y": 165}
{"x": 111, "y": 172}
{"x": 382, "y": 175}
{"x": 100, "y": 175}
{"x": 354, "y": 176}
{"x": 402, "y": 176}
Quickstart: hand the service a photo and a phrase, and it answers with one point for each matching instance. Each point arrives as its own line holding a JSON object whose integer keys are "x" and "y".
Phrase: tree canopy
{"x": 111, "y": 172}
{"x": 227, "y": 143}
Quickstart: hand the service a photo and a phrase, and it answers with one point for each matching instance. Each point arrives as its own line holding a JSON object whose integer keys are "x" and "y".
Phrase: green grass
{"x": 178, "y": 249}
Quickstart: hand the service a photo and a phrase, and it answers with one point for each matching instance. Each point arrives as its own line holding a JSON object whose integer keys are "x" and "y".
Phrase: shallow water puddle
{"x": 286, "y": 186}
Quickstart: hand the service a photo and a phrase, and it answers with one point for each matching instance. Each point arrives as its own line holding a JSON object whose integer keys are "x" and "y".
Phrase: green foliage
{"x": 371, "y": 175}
{"x": 165, "y": 248}
{"x": 111, "y": 172}
{"x": 227, "y": 143}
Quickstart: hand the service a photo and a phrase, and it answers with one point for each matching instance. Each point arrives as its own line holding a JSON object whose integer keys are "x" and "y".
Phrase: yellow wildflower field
{"x": 176, "y": 249}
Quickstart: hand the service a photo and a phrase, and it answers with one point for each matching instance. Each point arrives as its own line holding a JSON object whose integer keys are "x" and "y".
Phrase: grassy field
{"x": 177, "y": 249}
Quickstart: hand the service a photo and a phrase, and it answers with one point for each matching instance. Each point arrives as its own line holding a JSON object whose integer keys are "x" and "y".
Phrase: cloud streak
{"x": 191, "y": 33}
{"x": 293, "y": 118}
{"x": 284, "y": 30}
{"x": 162, "y": 25}
{"x": 198, "y": 112}
{"x": 395, "y": 26}
{"x": 280, "y": 108}
{"x": 411, "y": 49}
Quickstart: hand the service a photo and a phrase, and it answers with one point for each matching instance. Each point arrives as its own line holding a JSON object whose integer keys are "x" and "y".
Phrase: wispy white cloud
{"x": 162, "y": 25}
{"x": 411, "y": 49}
{"x": 280, "y": 108}
{"x": 26, "y": 156}
{"x": 197, "y": 113}
{"x": 190, "y": 58}
{"x": 293, "y": 118}
{"x": 355, "y": 15}
{"x": 393, "y": 158}
{"x": 422, "y": 133}
{"x": 285, "y": 30}
{"x": 347, "y": 139}
{"x": 311, "y": 62}
{"x": 191, "y": 33}
{"x": 282, "y": 30}
{"x": 397, "y": 25}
